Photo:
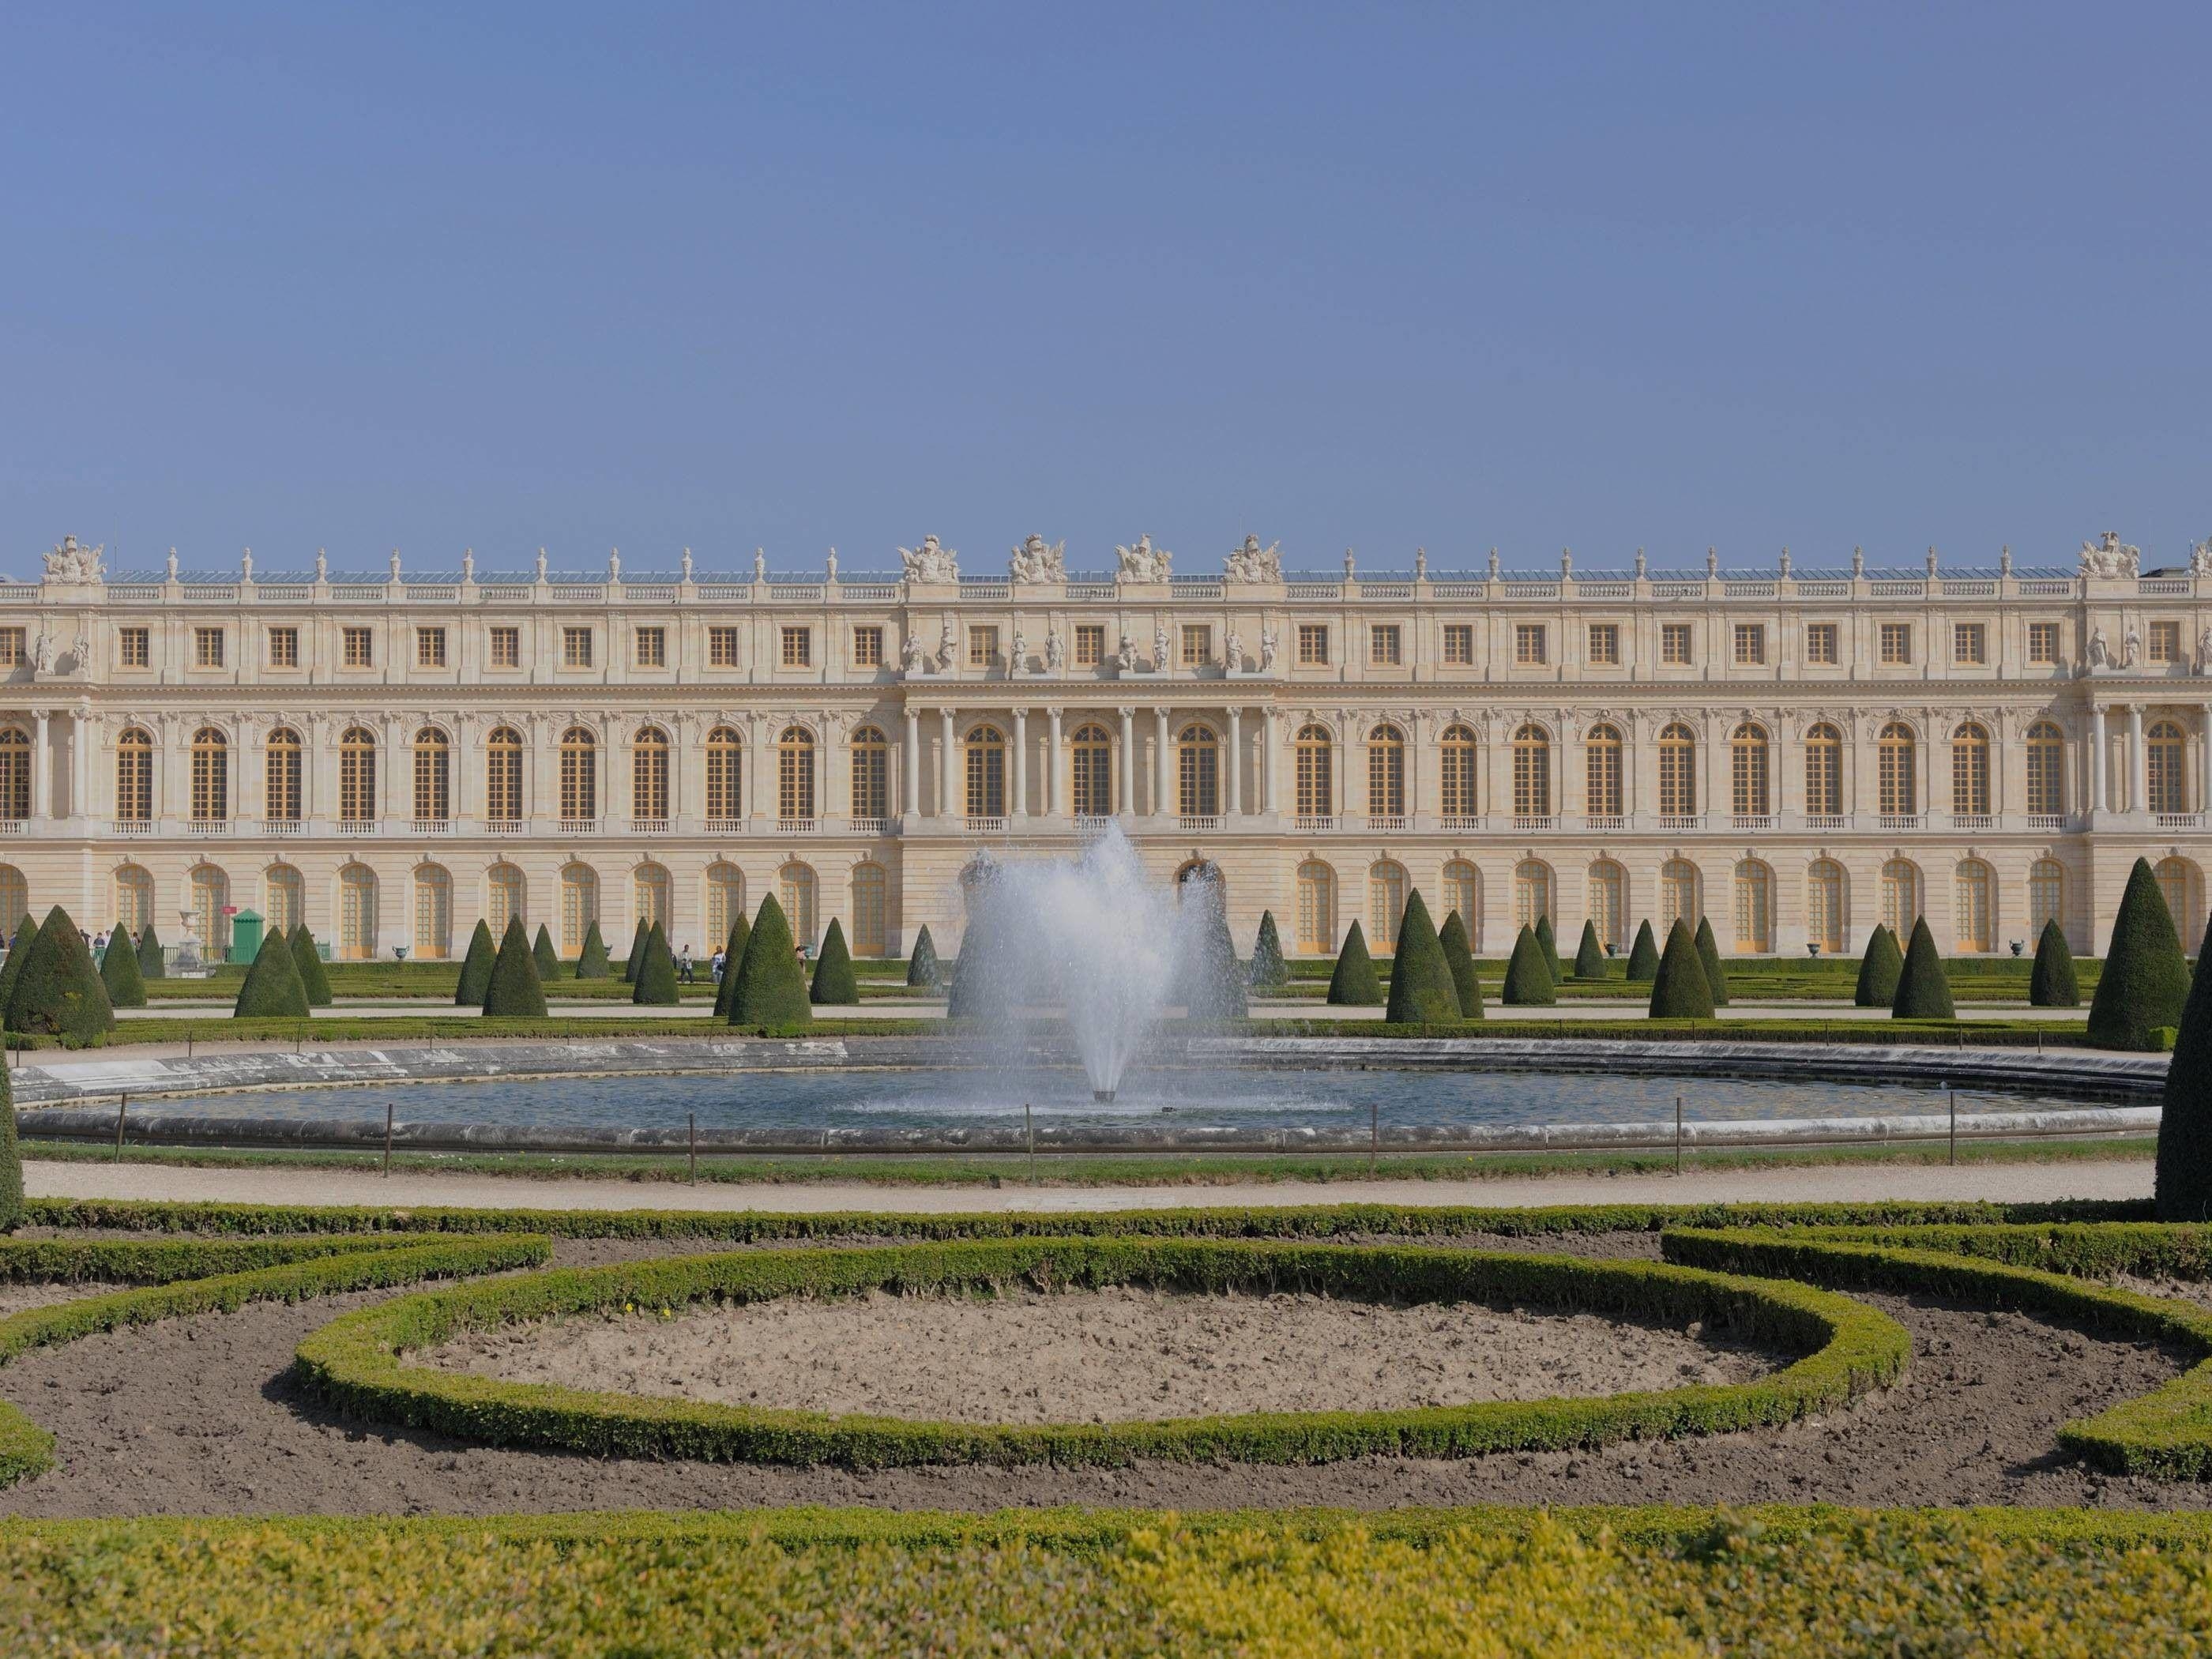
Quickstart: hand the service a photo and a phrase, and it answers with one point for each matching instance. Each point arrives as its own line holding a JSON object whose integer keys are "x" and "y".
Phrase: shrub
{"x": 636, "y": 953}
{"x": 11, "y": 1155}
{"x": 152, "y": 963}
{"x": 119, "y": 972}
{"x": 476, "y": 967}
{"x": 543, "y": 953}
{"x": 513, "y": 991}
{"x": 1352, "y": 982}
{"x": 1452, "y": 940}
{"x": 1681, "y": 989}
{"x": 1549, "y": 946}
{"x": 834, "y": 981}
{"x": 771, "y": 988}
{"x": 2145, "y": 983}
{"x": 19, "y": 952}
{"x": 1708, "y": 953}
{"x": 1643, "y": 956}
{"x": 922, "y": 971}
{"x": 1422, "y": 989}
{"x": 1213, "y": 985}
{"x": 2052, "y": 984}
{"x": 972, "y": 969}
{"x": 1589, "y": 955}
{"x": 1269, "y": 971}
{"x": 592, "y": 958}
{"x": 733, "y": 952}
{"x": 272, "y": 989}
{"x": 2183, "y": 1184}
{"x": 1922, "y": 992}
{"x": 655, "y": 986}
{"x": 1528, "y": 981}
{"x": 313, "y": 976}
{"x": 57, "y": 991}
{"x": 1879, "y": 968}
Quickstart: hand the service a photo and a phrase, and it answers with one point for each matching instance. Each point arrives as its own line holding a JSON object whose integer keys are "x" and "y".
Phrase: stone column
{"x": 2139, "y": 768}
{"x": 910, "y": 763}
{"x": 1268, "y": 745}
{"x": 948, "y": 761}
{"x": 1052, "y": 763}
{"x": 42, "y": 767}
{"x": 2204, "y": 762}
{"x": 81, "y": 743}
{"x": 1021, "y": 803}
{"x": 395, "y": 759}
{"x": 2097, "y": 792}
{"x": 1160, "y": 763}
{"x": 1236, "y": 762}
{"x": 1127, "y": 780}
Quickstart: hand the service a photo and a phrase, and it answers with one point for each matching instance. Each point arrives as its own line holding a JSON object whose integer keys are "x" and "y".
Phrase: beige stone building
{"x": 1796, "y": 753}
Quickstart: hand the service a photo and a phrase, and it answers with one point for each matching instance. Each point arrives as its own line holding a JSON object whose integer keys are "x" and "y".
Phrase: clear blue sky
{"x": 425, "y": 277}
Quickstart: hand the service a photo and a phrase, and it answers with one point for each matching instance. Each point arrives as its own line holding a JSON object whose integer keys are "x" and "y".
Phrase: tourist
{"x": 721, "y": 961}
{"x": 684, "y": 967}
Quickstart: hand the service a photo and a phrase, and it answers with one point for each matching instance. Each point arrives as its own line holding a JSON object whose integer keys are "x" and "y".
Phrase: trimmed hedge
{"x": 1549, "y": 945}
{"x": 272, "y": 989}
{"x": 1213, "y": 980}
{"x": 2051, "y": 983}
{"x": 1352, "y": 983}
{"x": 1922, "y": 992}
{"x": 1452, "y": 940}
{"x": 119, "y": 972}
{"x": 314, "y": 978}
{"x": 1681, "y": 988}
{"x": 11, "y": 1159}
{"x": 19, "y": 951}
{"x": 543, "y": 953}
{"x": 2184, "y": 1182}
{"x": 833, "y": 982}
{"x": 153, "y": 961}
{"x": 636, "y": 953}
{"x": 1422, "y": 989}
{"x": 733, "y": 952}
{"x": 1880, "y": 968}
{"x": 1269, "y": 972}
{"x": 1643, "y": 956}
{"x": 1589, "y": 955}
{"x": 1528, "y": 981}
{"x": 591, "y": 956}
{"x": 771, "y": 988}
{"x": 513, "y": 991}
{"x": 57, "y": 991}
{"x": 2145, "y": 982}
{"x": 1709, "y": 955}
{"x": 655, "y": 984}
{"x": 475, "y": 967}
{"x": 355, "y": 1363}
{"x": 921, "y": 972}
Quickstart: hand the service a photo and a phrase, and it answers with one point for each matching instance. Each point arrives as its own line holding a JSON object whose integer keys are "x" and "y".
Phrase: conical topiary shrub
{"x": 636, "y": 953}
{"x": 11, "y": 1155}
{"x": 1708, "y": 952}
{"x": 58, "y": 992}
{"x": 1879, "y": 968}
{"x": 315, "y": 978}
{"x": 1923, "y": 991}
{"x": 2050, "y": 982}
{"x": 771, "y": 989}
{"x": 1550, "y": 947}
{"x": 1352, "y": 983}
{"x": 153, "y": 961}
{"x": 921, "y": 970}
{"x": 1529, "y": 982}
{"x": 1422, "y": 989}
{"x": 591, "y": 955}
{"x": 1213, "y": 980}
{"x": 1681, "y": 989}
{"x": 476, "y": 967}
{"x": 2182, "y": 1187}
{"x": 733, "y": 952}
{"x": 1269, "y": 971}
{"x": 834, "y": 980}
{"x": 513, "y": 991}
{"x": 973, "y": 970}
{"x": 655, "y": 984}
{"x": 1589, "y": 955}
{"x": 19, "y": 952}
{"x": 2145, "y": 982}
{"x": 1452, "y": 939}
{"x": 119, "y": 972}
{"x": 272, "y": 989}
{"x": 1643, "y": 956}
{"x": 543, "y": 953}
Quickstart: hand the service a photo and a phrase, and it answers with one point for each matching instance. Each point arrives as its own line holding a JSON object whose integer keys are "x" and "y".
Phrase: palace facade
{"x": 1797, "y": 754}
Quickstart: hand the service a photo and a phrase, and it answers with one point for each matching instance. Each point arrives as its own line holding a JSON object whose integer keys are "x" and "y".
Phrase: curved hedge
{"x": 355, "y": 1362}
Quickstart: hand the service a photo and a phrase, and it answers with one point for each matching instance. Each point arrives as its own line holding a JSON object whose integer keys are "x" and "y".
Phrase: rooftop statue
{"x": 2200, "y": 557}
{"x": 1038, "y": 561}
{"x": 2109, "y": 557}
{"x": 1254, "y": 563}
{"x": 1144, "y": 562}
{"x": 72, "y": 561}
{"x": 930, "y": 563}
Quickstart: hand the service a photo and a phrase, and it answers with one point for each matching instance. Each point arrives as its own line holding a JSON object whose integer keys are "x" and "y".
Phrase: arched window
{"x": 1386, "y": 904}
{"x": 1317, "y": 907}
{"x": 1747, "y": 771}
{"x": 2177, "y": 880}
{"x": 1679, "y": 898}
{"x": 1457, "y": 773}
{"x": 503, "y": 777}
{"x": 15, "y": 900}
{"x": 725, "y": 901}
{"x": 134, "y": 777}
{"x": 986, "y": 773}
{"x": 795, "y": 886}
{"x": 1532, "y": 892}
{"x": 871, "y": 773}
{"x": 210, "y": 776}
{"x": 134, "y": 899}
{"x": 433, "y": 913}
{"x": 2046, "y": 770}
{"x": 1824, "y": 906}
{"x": 210, "y": 891}
{"x": 1678, "y": 773}
{"x": 1970, "y": 771}
{"x": 1897, "y": 789}
{"x": 1755, "y": 907}
{"x": 1091, "y": 773}
{"x": 648, "y": 775}
{"x": 357, "y": 786}
{"x": 15, "y": 772}
{"x": 1531, "y": 772}
{"x": 1463, "y": 893}
{"x": 1316, "y": 782}
{"x": 2162, "y": 769}
{"x": 1386, "y": 773}
{"x": 724, "y": 799}
{"x": 506, "y": 898}
{"x": 580, "y": 776}
{"x": 357, "y": 912}
{"x": 1900, "y": 897}
{"x": 579, "y": 906}
{"x": 284, "y": 898}
{"x": 2046, "y": 894}
{"x": 794, "y": 776}
{"x": 1609, "y": 902}
{"x": 434, "y": 778}
{"x": 282, "y": 800}
{"x": 1973, "y": 904}
{"x": 1198, "y": 772}
{"x": 1601, "y": 769}
{"x": 649, "y": 894}
{"x": 871, "y": 887}
{"x": 1823, "y": 772}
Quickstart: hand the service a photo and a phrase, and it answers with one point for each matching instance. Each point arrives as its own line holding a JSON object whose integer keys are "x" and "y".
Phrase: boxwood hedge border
{"x": 357, "y": 1362}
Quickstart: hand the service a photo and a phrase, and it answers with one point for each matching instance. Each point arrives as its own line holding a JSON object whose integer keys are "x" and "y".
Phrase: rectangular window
{"x": 137, "y": 646}
{"x": 207, "y": 647}
{"x": 429, "y": 647}
{"x": 360, "y": 648}
{"x": 1528, "y": 643}
{"x": 575, "y": 648}
{"x": 2166, "y": 641}
{"x": 653, "y": 647}
{"x": 1750, "y": 644}
{"x": 721, "y": 648}
{"x": 1675, "y": 642}
{"x": 12, "y": 649}
{"x": 1313, "y": 645}
{"x": 796, "y": 647}
{"x": 982, "y": 646}
{"x": 1459, "y": 644}
{"x": 1970, "y": 644}
{"x": 1385, "y": 647}
{"x": 1821, "y": 644}
{"x": 283, "y": 648}
{"x": 2043, "y": 643}
{"x": 1604, "y": 644}
{"x": 1197, "y": 644}
{"x": 1090, "y": 644}
{"x": 868, "y": 653}
{"x": 1897, "y": 643}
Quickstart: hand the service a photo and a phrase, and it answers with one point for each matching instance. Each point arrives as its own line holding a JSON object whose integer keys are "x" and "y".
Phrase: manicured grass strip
{"x": 26, "y": 1449}
{"x": 357, "y": 1362}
